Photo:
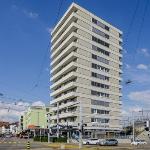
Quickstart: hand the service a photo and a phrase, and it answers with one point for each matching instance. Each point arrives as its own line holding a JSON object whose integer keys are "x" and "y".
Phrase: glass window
{"x": 100, "y": 33}
{"x": 100, "y": 41}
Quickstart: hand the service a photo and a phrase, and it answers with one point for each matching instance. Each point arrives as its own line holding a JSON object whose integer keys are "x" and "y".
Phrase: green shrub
{"x": 36, "y": 138}
{"x": 60, "y": 139}
{"x": 41, "y": 139}
{"x": 44, "y": 139}
{"x": 52, "y": 139}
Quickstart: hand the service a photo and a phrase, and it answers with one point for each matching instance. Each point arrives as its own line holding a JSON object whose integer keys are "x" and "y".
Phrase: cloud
{"x": 12, "y": 111}
{"x": 38, "y": 103}
{"x": 145, "y": 52}
{"x": 141, "y": 78}
{"x": 142, "y": 66}
{"x": 143, "y": 96}
{"x": 31, "y": 14}
{"x": 49, "y": 30}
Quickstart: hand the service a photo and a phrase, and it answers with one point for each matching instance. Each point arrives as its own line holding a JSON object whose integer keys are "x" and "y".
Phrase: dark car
{"x": 109, "y": 142}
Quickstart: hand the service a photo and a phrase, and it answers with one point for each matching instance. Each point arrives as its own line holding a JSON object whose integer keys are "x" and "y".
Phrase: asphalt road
{"x": 20, "y": 144}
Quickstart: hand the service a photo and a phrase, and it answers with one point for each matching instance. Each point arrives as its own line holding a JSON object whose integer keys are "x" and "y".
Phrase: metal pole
{"x": 133, "y": 127}
{"x": 67, "y": 133}
{"x": 57, "y": 120}
{"x": 38, "y": 118}
{"x": 80, "y": 127}
{"x": 48, "y": 128}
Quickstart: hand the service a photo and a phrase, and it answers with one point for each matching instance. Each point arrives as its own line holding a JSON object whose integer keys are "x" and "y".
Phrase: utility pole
{"x": 57, "y": 120}
{"x": 80, "y": 127}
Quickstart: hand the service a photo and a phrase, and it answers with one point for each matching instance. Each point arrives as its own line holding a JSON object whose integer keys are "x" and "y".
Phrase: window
{"x": 99, "y": 111}
{"x": 99, "y": 94}
{"x": 100, "y": 120}
{"x": 100, "y": 33}
{"x": 100, "y": 24}
{"x": 100, "y": 41}
{"x": 95, "y": 66}
{"x": 99, "y": 85}
{"x": 102, "y": 77}
{"x": 101, "y": 103}
{"x": 100, "y": 59}
{"x": 95, "y": 48}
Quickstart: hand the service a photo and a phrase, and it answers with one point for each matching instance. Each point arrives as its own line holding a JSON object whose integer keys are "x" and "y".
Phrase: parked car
{"x": 109, "y": 142}
{"x": 8, "y": 136}
{"x": 138, "y": 142}
{"x": 25, "y": 136}
{"x": 92, "y": 141}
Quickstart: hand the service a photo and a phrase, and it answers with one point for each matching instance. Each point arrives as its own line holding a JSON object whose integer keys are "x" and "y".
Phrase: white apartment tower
{"x": 86, "y": 57}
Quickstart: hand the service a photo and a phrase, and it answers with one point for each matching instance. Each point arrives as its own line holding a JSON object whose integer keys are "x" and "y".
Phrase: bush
{"x": 41, "y": 139}
{"x": 44, "y": 139}
{"x": 60, "y": 139}
{"x": 36, "y": 138}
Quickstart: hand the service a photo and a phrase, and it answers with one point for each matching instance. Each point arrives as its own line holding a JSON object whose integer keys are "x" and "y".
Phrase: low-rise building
{"x": 35, "y": 116}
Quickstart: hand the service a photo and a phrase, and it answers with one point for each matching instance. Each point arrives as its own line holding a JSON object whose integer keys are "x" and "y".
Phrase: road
{"x": 20, "y": 144}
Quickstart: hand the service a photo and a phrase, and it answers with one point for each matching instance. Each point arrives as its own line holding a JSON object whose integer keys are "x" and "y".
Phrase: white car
{"x": 92, "y": 141}
{"x": 138, "y": 142}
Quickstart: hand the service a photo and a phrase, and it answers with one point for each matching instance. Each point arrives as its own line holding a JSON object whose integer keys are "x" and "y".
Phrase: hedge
{"x": 42, "y": 139}
{"x": 52, "y": 139}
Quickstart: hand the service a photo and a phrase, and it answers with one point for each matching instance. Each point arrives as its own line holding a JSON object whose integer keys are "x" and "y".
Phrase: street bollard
{"x": 28, "y": 145}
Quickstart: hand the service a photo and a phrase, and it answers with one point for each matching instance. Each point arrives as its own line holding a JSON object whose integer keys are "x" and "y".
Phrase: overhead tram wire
{"x": 140, "y": 29}
{"x": 48, "y": 48}
{"x": 132, "y": 22}
{"x": 41, "y": 67}
{"x": 142, "y": 24}
{"x": 129, "y": 29}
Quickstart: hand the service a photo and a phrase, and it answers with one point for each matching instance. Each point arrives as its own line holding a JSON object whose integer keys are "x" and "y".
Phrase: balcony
{"x": 63, "y": 89}
{"x": 64, "y": 35}
{"x": 66, "y": 69}
{"x": 64, "y": 105}
{"x": 63, "y": 53}
{"x": 63, "y": 44}
{"x": 64, "y": 97}
{"x": 65, "y": 115}
{"x": 65, "y": 78}
{"x": 64, "y": 62}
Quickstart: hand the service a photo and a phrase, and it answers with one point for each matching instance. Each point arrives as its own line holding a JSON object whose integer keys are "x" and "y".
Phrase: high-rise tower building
{"x": 86, "y": 61}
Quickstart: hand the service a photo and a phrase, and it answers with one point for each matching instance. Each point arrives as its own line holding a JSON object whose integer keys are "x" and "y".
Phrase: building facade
{"x": 35, "y": 116}
{"x": 86, "y": 61}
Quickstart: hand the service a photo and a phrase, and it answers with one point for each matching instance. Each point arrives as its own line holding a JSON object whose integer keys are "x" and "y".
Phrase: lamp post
{"x": 80, "y": 127}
